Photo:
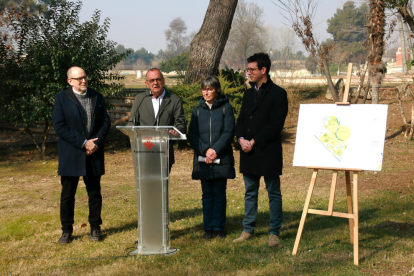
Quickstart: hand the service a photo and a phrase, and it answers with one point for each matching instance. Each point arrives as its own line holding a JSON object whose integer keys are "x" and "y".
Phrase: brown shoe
{"x": 95, "y": 235}
{"x": 274, "y": 240}
{"x": 65, "y": 238}
{"x": 243, "y": 237}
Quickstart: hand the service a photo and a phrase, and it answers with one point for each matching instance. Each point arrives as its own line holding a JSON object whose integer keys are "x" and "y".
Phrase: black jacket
{"x": 69, "y": 121}
{"x": 213, "y": 129}
{"x": 263, "y": 121}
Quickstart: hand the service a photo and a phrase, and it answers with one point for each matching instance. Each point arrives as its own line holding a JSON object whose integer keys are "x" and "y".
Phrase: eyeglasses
{"x": 84, "y": 78}
{"x": 208, "y": 91}
{"x": 154, "y": 80}
{"x": 251, "y": 69}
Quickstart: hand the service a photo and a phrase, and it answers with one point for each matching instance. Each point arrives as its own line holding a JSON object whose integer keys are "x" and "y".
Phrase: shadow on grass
{"x": 185, "y": 214}
{"x": 313, "y": 223}
{"x": 395, "y": 134}
{"x": 389, "y": 228}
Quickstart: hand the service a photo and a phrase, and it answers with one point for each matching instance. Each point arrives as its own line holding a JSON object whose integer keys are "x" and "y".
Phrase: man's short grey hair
{"x": 154, "y": 69}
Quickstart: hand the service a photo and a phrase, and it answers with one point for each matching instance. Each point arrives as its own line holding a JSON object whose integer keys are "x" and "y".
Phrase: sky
{"x": 138, "y": 23}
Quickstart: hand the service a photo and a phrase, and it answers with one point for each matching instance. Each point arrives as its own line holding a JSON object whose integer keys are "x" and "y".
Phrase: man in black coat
{"x": 258, "y": 130}
{"x": 82, "y": 123}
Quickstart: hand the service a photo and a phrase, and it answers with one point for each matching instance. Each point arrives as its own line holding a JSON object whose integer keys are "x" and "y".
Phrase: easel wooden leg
{"x": 305, "y": 212}
{"x": 356, "y": 238}
{"x": 349, "y": 200}
{"x": 332, "y": 195}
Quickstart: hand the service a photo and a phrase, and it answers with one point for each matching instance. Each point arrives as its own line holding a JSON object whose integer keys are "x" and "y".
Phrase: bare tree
{"x": 376, "y": 30}
{"x": 302, "y": 17}
{"x": 177, "y": 42}
{"x": 118, "y": 67}
{"x": 404, "y": 9}
{"x": 339, "y": 56}
{"x": 140, "y": 64}
{"x": 282, "y": 47}
{"x": 247, "y": 34}
{"x": 208, "y": 44}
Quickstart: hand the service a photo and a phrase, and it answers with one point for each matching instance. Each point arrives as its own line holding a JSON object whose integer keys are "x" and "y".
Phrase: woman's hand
{"x": 211, "y": 154}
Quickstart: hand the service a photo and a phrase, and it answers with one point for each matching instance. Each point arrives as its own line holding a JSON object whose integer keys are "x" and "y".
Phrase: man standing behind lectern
{"x": 82, "y": 124}
{"x": 159, "y": 108}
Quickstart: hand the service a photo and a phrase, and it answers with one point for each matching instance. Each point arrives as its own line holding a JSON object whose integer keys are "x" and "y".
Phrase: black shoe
{"x": 208, "y": 235}
{"x": 219, "y": 234}
{"x": 95, "y": 235}
{"x": 65, "y": 238}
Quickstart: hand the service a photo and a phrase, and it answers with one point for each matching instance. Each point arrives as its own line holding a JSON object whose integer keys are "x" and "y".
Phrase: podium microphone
{"x": 135, "y": 115}
{"x": 158, "y": 115}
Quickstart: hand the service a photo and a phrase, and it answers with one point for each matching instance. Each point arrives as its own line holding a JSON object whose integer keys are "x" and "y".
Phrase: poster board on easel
{"x": 339, "y": 137}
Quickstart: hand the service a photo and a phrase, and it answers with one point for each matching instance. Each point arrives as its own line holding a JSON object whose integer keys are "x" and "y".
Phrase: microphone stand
{"x": 159, "y": 106}
{"x": 135, "y": 114}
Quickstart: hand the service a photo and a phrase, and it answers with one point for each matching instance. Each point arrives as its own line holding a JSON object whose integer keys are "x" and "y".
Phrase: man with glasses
{"x": 258, "y": 130}
{"x": 159, "y": 108}
{"x": 82, "y": 123}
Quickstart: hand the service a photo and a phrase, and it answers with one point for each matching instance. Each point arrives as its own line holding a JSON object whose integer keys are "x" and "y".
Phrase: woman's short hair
{"x": 212, "y": 82}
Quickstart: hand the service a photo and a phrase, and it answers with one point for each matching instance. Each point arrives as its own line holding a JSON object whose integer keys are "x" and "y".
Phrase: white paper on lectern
{"x": 357, "y": 142}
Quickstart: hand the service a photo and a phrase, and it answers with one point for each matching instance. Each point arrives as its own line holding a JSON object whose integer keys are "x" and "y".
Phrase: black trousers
{"x": 67, "y": 200}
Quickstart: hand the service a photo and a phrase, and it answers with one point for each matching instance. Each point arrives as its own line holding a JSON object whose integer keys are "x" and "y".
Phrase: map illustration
{"x": 334, "y": 136}
{"x": 341, "y": 136}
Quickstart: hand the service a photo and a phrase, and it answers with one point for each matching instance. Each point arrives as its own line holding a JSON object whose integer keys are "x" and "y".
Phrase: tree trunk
{"x": 403, "y": 48}
{"x": 375, "y": 92}
{"x": 208, "y": 45}
{"x": 45, "y": 134}
{"x": 412, "y": 121}
{"x": 361, "y": 82}
{"x": 329, "y": 79}
{"x": 409, "y": 45}
{"x": 376, "y": 30}
{"x": 368, "y": 84}
{"x": 407, "y": 126}
{"x": 27, "y": 130}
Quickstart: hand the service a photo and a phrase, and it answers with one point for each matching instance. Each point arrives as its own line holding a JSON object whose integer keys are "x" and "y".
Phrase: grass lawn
{"x": 30, "y": 227}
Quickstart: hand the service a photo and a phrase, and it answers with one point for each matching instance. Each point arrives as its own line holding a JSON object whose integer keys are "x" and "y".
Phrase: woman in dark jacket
{"x": 210, "y": 134}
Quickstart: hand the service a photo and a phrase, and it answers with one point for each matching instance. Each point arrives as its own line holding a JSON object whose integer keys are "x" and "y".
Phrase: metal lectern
{"x": 150, "y": 151}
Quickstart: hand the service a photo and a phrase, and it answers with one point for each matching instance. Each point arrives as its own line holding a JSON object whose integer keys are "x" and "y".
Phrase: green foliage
{"x": 286, "y": 54}
{"x": 333, "y": 68}
{"x": 235, "y": 78}
{"x": 392, "y": 4}
{"x": 311, "y": 64}
{"x": 347, "y": 27}
{"x": 142, "y": 54}
{"x": 32, "y": 6}
{"x": 178, "y": 64}
{"x": 34, "y": 70}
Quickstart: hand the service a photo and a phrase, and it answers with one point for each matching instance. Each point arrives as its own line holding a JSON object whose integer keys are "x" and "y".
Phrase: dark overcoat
{"x": 262, "y": 120}
{"x": 171, "y": 113}
{"x": 69, "y": 119}
{"x": 213, "y": 129}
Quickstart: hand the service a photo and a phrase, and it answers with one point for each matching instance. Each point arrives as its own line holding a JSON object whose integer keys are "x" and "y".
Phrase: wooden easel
{"x": 352, "y": 214}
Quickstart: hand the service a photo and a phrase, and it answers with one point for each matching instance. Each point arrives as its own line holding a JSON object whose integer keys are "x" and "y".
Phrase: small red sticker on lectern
{"x": 148, "y": 144}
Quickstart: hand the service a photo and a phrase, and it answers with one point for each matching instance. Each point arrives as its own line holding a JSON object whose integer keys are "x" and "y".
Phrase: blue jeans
{"x": 214, "y": 204}
{"x": 252, "y": 183}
